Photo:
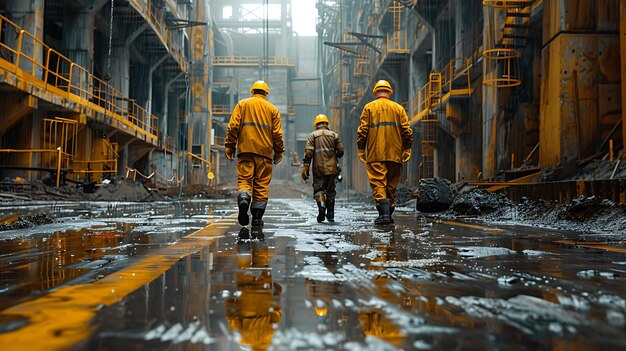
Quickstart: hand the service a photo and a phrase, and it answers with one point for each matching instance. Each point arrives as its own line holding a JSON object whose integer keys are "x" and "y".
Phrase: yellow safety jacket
{"x": 384, "y": 131}
{"x": 255, "y": 127}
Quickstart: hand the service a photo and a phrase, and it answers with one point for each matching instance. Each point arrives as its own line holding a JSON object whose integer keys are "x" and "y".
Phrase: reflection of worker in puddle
{"x": 254, "y": 310}
{"x": 257, "y": 234}
{"x": 320, "y": 293}
{"x": 374, "y": 323}
{"x": 388, "y": 251}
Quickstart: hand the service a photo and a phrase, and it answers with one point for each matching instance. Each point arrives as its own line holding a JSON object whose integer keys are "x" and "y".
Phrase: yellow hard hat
{"x": 321, "y": 118}
{"x": 260, "y": 85}
{"x": 382, "y": 85}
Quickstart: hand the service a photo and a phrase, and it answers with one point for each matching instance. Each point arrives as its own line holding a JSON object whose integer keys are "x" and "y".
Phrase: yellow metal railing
{"x": 60, "y": 132}
{"x": 61, "y": 158}
{"x": 156, "y": 17}
{"x": 35, "y": 62}
{"x": 502, "y": 54}
{"x": 108, "y": 165}
{"x": 346, "y": 94}
{"x": 456, "y": 78}
{"x": 280, "y": 61}
{"x": 428, "y": 97}
{"x": 507, "y": 4}
{"x": 361, "y": 68}
{"x": 219, "y": 109}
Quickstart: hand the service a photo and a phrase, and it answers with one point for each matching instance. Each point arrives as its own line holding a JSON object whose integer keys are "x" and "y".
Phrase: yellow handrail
{"x": 252, "y": 61}
{"x": 457, "y": 68}
{"x": 430, "y": 95}
{"x": 199, "y": 158}
{"x": 222, "y": 109}
{"x": 33, "y": 60}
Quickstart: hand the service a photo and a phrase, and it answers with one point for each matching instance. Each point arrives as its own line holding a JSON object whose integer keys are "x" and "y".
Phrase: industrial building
{"x": 494, "y": 89}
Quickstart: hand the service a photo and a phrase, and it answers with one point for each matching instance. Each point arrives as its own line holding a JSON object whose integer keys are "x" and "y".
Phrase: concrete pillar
{"x": 622, "y": 31}
{"x": 489, "y": 112}
{"x": 153, "y": 68}
{"x": 466, "y": 129}
{"x": 29, "y": 15}
{"x": 164, "y": 122}
{"x": 120, "y": 69}
{"x": 78, "y": 37}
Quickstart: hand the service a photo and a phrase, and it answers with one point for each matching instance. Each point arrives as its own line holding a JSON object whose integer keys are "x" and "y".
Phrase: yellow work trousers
{"x": 384, "y": 177}
{"x": 254, "y": 174}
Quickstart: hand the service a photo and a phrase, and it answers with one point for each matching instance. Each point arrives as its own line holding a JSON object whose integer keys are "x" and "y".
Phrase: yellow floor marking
{"x": 62, "y": 318}
{"x": 9, "y": 219}
{"x": 592, "y": 245}
{"x": 468, "y": 225}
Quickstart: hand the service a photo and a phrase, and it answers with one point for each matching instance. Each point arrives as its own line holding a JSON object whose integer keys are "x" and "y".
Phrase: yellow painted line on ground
{"x": 62, "y": 318}
{"x": 468, "y": 225}
{"x": 592, "y": 245}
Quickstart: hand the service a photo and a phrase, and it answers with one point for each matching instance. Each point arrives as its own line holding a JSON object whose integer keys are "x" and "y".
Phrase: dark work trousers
{"x": 325, "y": 184}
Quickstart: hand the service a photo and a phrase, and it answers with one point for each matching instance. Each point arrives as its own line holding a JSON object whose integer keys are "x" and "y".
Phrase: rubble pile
{"x": 434, "y": 195}
{"x": 591, "y": 214}
{"x": 479, "y": 202}
{"x": 26, "y": 222}
{"x": 404, "y": 195}
{"x": 123, "y": 190}
{"x": 120, "y": 189}
{"x": 587, "y": 214}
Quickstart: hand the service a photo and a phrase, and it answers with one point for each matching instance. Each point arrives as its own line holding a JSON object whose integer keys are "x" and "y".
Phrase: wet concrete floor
{"x": 127, "y": 277}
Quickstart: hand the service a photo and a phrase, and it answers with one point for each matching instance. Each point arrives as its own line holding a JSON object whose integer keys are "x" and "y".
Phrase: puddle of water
{"x": 74, "y": 250}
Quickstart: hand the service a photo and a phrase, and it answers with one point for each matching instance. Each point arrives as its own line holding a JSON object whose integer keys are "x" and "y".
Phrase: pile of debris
{"x": 120, "y": 189}
{"x": 434, "y": 195}
{"x": 124, "y": 190}
{"x": 586, "y": 214}
{"x": 22, "y": 222}
{"x": 479, "y": 202}
{"x": 440, "y": 198}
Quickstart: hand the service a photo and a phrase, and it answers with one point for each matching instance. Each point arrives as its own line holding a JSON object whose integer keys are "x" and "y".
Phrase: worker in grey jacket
{"x": 324, "y": 148}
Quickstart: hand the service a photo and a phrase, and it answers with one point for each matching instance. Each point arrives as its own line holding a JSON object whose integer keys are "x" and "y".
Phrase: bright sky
{"x": 304, "y": 17}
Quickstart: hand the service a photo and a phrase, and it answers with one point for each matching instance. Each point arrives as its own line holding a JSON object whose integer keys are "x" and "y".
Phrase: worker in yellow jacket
{"x": 384, "y": 141}
{"x": 255, "y": 135}
{"x": 324, "y": 148}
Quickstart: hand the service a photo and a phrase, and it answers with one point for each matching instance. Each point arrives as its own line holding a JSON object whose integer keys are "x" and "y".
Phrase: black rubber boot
{"x": 244, "y": 234}
{"x": 243, "y": 202}
{"x": 383, "y": 212}
{"x": 257, "y": 216}
{"x": 321, "y": 214}
{"x": 330, "y": 210}
{"x": 391, "y": 209}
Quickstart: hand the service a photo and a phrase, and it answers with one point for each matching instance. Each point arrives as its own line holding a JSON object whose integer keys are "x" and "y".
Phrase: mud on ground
{"x": 585, "y": 214}
{"x": 119, "y": 190}
{"x": 24, "y": 222}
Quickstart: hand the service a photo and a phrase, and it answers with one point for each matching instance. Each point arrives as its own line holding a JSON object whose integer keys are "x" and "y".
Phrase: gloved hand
{"x": 406, "y": 155}
{"x": 362, "y": 156}
{"x": 277, "y": 158}
{"x": 305, "y": 172}
{"x": 230, "y": 153}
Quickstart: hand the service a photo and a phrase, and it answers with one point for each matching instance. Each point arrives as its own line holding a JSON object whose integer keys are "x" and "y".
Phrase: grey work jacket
{"x": 324, "y": 147}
